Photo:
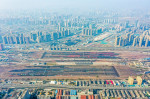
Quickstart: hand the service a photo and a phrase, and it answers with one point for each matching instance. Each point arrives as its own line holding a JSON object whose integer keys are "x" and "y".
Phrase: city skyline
{"x": 76, "y": 4}
{"x": 81, "y": 49}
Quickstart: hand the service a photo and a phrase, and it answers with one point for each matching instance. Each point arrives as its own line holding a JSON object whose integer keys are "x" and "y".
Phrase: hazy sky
{"x": 81, "y": 4}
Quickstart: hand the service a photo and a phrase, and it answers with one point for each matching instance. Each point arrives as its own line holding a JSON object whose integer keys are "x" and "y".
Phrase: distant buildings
{"x": 1, "y": 47}
{"x": 25, "y": 95}
{"x": 91, "y": 32}
{"x": 132, "y": 40}
{"x": 35, "y": 37}
{"x": 16, "y": 94}
{"x": 55, "y": 48}
{"x": 16, "y": 39}
{"x": 131, "y": 80}
{"x": 139, "y": 80}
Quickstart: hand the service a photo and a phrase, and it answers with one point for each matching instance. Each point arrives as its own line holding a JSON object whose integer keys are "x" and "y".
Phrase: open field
{"x": 74, "y": 65}
{"x": 69, "y": 72}
{"x": 86, "y": 55}
{"x": 66, "y": 70}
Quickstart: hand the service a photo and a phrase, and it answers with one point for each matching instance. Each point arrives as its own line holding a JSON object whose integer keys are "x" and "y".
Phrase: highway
{"x": 21, "y": 86}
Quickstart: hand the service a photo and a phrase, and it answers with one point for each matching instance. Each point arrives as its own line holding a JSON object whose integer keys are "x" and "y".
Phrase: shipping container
{"x": 60, "y": 92}
{"x": 111, "y": 82}
{"x": 65, "y": 97}
{"x": 114, "y": 82}
{"x": 73, "y": 92}
{"x": 59, "y": 97}
{"x": 67, "y": 93}
{"x": 56, "y": 91}
{"x": 118, "y": 82}
{"x": 64, "y": 92}
{"x": 91, "y": 97}
{"x": 107, "y": 82}
{"x": 73, "y": 97}
{"x": 97, "y": 97}
{"x": 83, "y": 97}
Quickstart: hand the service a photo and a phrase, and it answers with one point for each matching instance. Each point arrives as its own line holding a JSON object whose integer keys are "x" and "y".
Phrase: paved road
{"x": 68, "y": 87}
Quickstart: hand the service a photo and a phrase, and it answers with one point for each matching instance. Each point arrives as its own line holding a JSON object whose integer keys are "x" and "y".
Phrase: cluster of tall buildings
{"x": 91, "y": 32}
{"x": 1, "y": 47}
{"x": 132, "y": 40}
{"x": 110, "y": 21}
{"x": 16, "y": 39}
{"x": 35, "y": 37}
